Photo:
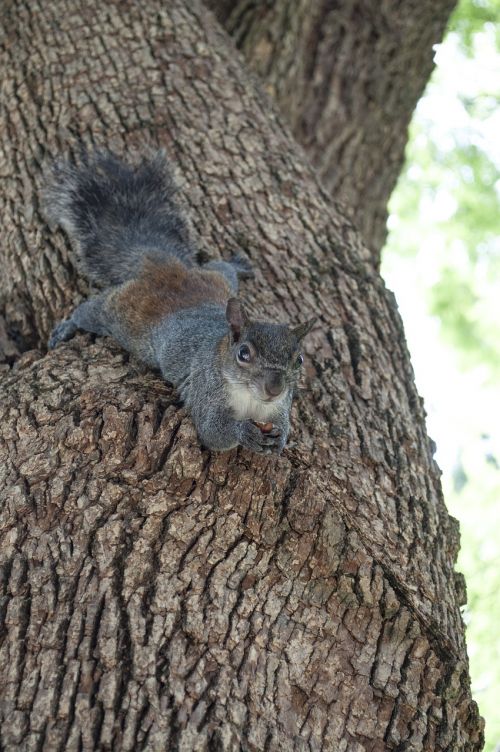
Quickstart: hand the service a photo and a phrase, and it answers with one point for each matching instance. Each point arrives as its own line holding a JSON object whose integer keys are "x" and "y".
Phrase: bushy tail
{"x": 115, "y": 214}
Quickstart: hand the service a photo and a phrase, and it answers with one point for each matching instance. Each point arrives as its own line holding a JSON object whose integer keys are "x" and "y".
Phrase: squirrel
{"x": 236, "y": 376}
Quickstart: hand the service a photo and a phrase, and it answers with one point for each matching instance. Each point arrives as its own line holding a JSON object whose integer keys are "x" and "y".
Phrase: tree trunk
{"x": 347, "y": 75}
{"x": 159, "y": 597}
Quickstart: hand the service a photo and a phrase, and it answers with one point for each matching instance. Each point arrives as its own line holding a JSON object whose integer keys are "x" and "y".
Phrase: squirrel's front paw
{"x": 62, "y": 332}
{"x": 252, "y": 437}
{"x": 243, "y": 265}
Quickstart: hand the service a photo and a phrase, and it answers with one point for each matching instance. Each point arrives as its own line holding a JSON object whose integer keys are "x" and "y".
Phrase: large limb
{"x": 346, "y": 76}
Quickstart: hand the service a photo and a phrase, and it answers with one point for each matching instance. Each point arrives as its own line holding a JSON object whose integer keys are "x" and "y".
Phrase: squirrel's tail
{"x": 116, "y": 214}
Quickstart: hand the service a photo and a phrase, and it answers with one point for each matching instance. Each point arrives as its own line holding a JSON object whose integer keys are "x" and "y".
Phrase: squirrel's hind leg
{"x": 239, "y": 267}
{"x": 87, "y": 316}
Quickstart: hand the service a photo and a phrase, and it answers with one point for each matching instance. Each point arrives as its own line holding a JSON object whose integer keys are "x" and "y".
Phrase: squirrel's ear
{"x": 236, "y": 317}
{"x": 301, "y": 330}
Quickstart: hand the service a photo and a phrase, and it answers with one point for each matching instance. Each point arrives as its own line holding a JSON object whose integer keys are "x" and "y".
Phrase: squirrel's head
{"x": 262, "y": 359}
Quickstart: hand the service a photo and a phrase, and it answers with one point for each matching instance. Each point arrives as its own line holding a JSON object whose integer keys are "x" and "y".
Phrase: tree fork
{"x": 155, "y": 596}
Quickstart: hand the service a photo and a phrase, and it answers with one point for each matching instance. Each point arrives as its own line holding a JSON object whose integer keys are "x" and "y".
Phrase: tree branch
{"x": 347, "y": 76}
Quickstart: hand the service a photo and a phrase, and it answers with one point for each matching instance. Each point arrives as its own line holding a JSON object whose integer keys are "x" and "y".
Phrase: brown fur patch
{"x": 164, "y": 288}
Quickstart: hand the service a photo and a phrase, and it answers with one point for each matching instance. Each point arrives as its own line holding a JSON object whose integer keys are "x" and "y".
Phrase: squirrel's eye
{"x": 244, "y": 354}
{"x": 299, "y": 361}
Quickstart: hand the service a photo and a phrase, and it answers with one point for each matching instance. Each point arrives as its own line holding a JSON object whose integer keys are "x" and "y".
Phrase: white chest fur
{"x": 247, "y": 407}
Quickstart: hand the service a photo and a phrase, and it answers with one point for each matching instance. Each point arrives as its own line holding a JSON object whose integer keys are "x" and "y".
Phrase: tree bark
{"x": 154, "y": 595}
{"x": 347, "y": 75}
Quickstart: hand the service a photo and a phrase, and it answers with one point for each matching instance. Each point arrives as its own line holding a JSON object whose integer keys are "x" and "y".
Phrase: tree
{"x": 347, "y": 75}
{"x": 159, "y": 597}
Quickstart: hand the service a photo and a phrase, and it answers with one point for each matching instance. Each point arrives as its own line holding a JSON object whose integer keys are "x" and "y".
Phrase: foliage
{"x": 469, "y": 19}
{"x": 447, "y": 208}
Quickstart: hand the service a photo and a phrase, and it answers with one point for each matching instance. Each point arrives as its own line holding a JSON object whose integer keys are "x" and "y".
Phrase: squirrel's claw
{"x": 62, "y": 333}
{"x": 253, "y": 438}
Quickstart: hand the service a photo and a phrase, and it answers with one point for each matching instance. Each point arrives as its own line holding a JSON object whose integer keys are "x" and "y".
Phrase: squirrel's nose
{"x": 274, "y": 383}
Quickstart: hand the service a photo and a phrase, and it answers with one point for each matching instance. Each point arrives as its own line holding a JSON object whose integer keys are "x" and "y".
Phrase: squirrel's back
{"x": 117, "y": 214}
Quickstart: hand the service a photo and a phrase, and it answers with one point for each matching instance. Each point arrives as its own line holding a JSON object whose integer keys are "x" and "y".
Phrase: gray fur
{"x": 186, "y": 345}
{"x": 89, "y": 316}
{"x": 117, "y": 215}
{"x": 238, "y": 268}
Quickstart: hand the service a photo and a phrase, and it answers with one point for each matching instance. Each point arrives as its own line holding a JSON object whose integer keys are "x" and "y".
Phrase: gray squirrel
{"x": 235, "y": 376}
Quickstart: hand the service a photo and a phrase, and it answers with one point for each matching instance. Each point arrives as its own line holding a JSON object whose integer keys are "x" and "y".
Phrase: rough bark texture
{"x": 155, "y": 596}
{"x": 347, "y": 75}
